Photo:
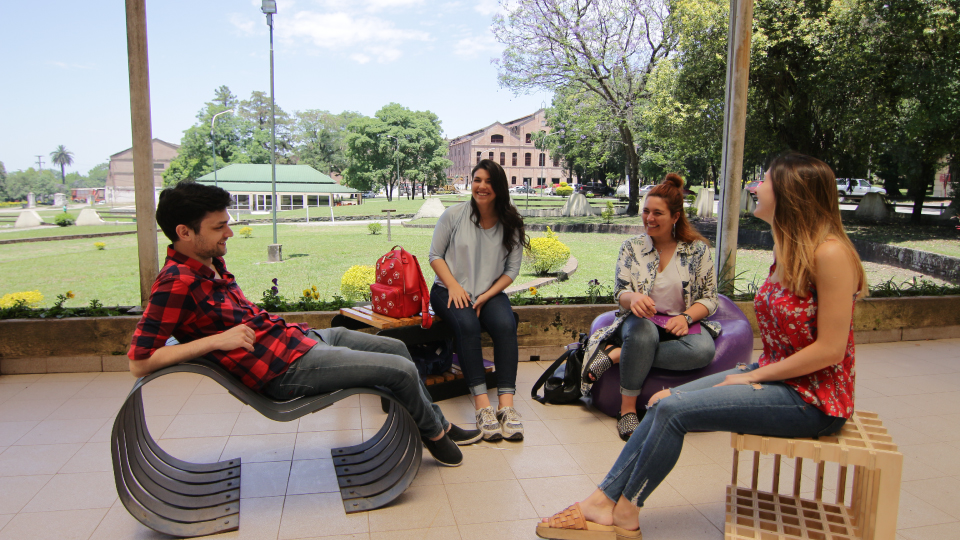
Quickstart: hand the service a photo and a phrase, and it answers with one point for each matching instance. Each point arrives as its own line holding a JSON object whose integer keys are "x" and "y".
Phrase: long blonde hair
{"x": 806, "y": 211}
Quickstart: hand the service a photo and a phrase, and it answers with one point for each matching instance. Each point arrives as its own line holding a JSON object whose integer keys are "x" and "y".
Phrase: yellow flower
{"x": 69, "y": 294}
{"x": 533, "y": 291}
{"x": 316, "y": 296}
{"x": 31, "y": 298}
{"x": 307, "y": 293}
{"x": 314, "y": 288}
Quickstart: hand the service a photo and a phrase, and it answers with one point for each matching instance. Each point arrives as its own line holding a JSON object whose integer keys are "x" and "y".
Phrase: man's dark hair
{"x": 186, "y": 204}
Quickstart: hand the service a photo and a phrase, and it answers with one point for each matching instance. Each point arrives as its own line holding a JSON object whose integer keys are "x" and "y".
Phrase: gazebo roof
{"x": 255, "y": 178}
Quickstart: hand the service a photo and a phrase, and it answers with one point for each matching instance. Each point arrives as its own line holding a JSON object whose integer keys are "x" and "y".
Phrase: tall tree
{"x": 18, "y": 184}
{"x": 62, "y": 157}
{"x": 320, "y": 139}
{"x": 608, "y": 47}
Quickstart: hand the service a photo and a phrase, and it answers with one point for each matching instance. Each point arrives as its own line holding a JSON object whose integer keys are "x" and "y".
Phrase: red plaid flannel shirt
{"x": 189, "y": 302}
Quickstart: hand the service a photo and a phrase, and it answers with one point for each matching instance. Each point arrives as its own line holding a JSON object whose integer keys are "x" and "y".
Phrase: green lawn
{"x": 50, "y": 232}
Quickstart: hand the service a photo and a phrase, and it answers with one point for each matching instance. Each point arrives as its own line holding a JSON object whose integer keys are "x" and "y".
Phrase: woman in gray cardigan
{"x": 476, "y": 253}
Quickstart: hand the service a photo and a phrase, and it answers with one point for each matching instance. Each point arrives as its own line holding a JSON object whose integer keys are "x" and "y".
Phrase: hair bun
{"x": 674, "y": 179}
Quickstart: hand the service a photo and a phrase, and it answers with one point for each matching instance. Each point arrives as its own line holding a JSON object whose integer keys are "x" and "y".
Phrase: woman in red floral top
{"x": 802, "y": 385}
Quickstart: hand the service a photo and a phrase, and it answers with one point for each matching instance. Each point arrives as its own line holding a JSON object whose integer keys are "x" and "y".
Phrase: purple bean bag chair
{"x": 734, "y": 346}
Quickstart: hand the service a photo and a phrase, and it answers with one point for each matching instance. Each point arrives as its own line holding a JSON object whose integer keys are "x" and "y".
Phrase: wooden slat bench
{"x": 184, "y": 499}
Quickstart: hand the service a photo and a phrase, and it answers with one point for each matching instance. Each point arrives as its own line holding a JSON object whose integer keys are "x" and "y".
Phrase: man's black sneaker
{"x": 462, "y": 436}
{"x": 444, "y": 450}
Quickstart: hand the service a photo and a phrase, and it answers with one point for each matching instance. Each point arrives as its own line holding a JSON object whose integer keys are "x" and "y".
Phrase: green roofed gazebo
{"x": 298, "y": 186}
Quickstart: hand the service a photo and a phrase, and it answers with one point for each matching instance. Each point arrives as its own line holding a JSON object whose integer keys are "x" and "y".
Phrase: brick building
{"x": 120, "y": 176}
{"x": 511, "y": 145}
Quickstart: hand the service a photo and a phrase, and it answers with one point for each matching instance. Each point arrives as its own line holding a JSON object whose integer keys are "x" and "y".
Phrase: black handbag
{"x": 561, "y": 381}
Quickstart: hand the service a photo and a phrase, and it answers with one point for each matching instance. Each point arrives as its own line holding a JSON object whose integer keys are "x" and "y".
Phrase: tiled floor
{"x": 56, "y": 480}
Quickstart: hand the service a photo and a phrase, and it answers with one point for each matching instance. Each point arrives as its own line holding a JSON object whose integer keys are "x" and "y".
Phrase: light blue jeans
{"x": 349, "y": 359}
{"x": 645, "y": 345}
{"x": 774, "y": 410}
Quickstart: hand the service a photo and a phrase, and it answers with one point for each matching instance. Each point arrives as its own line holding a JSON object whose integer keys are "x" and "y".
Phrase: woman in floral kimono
{"x": 665, "y": 286}
{"x": 802, "y": 385}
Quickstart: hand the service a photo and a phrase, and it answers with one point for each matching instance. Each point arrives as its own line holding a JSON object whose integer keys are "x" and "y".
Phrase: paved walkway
{"x": 56, "y": 480}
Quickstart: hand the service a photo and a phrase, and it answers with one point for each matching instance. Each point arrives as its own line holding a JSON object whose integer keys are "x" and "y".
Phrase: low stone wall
{"x": 100, "y": 343}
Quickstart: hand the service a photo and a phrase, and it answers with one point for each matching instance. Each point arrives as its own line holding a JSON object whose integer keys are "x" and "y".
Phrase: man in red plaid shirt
{"x": 197, "y": 301}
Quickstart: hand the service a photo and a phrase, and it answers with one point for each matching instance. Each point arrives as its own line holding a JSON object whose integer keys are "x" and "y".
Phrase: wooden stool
{"x": 863, "y": 443}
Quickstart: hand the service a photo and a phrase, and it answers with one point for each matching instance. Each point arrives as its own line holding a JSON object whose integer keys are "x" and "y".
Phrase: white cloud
{"x": 364, "y": 37}
{"x": 487, "y": 7}
{"x": 472, "y": 46}
{"x": 69, "y": 66}
{"x": 371, "y": 6}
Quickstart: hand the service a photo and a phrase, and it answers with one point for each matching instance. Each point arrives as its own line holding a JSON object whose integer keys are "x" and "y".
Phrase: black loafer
{"x": 462, "y": 436}
{"x": 444, "y": 450}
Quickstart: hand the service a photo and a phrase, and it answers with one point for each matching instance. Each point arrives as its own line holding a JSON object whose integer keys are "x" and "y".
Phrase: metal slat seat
{"x": 185, "y": 499}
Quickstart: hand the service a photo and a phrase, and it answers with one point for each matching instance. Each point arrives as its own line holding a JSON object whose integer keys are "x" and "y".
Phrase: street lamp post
{"x": 213, "y": 140}
{"x": 269, "y": 8}
{"x": 396, "y": 158}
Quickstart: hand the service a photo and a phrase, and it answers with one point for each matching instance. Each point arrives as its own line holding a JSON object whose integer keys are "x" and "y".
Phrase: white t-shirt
{"x": 667, "y": 289}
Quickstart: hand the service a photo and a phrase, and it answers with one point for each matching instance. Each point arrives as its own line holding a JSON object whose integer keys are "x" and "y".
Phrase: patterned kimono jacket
{"x": 636, "y": 271}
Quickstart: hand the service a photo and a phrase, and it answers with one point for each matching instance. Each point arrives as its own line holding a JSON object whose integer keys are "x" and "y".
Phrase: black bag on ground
{"x": 433, "y": 358}
{"x": 561, "y": 381}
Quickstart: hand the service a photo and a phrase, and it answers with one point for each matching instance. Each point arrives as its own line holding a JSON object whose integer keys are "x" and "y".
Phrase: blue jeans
{"x": 349, "y": 359}
{"x": 774, "y": 410}
{"x": 645, "y": 345}
{"x": 496, "y": 318}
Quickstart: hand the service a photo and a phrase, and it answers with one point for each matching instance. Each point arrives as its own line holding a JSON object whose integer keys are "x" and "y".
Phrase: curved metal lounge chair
{"x": 184, "y": 499}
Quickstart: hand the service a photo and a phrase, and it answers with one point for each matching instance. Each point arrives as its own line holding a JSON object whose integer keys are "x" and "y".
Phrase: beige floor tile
{"x": 347, "y": 402}
{"x": 943, "y": 493}
{"x": 64, "y": 525}
{"x": 677, "y": 522}
{"x": 700, "y": 484}
{"x": 940, "y": 456}
{"x": 523, "y": 529}
{"x": 481, "y": 462}
{"x": 62, "y": 431}
{"x": 116, "y": 376}
{"x": 10, "y": 432}
{"x": 253, "y": 423}
{"x": 51, "y": 391}
{"x": 156, "y": 425}
{"x": 915, "y": 512}
{"x": 195, "y": 449}
{"x": 557, "y": 412}
{"x": 551, "y": 495}
{"x": 460, "y": 411}
{"x": 904, "y": 434}
{"x": 9, "y": 391}
{"x": 118, "y": 524}
{"x": 92, "y": 457}
{"x": 105, "y": 389}
{"x": 535, "y": 433}
{"x": 211, "y": 404}
{"x": 665, "y": 495}
{"x": 715, "y": 513}
{"x": 541, "y": 462}
{"x": 23, "y": 410}
{"x": 84, "y": 408}
{"x": 358, "y": 536}
{"x": 595, "y": 457}
{"x": 305, "y": 516}
{"x": 933, "y": 404}
{"x": 163, "y": 404}
{"x": 372, "y": 417}
{"x": 504, "y": 500}
{"x": 946, "y": 531}
{"x": 70, "y": 377}
{"x": 267, "y": 479}
{"x": 103, "y": 434}
{"x": 433, "y": 533}
{"x": 80, "y": 491}
{"x": 423, "y": 507}
{"x": 369, "y": 400}
{"x": 526, "y": 410}
{"x": 715, "y": 445}
{"x": 331, "y": 420}
{"x": 173, "y": 384}
{"x": 208, "y": 386}
{"x": 580, "y": 430}
{"x": 312, "y": 476}
{"x": 201, "y": 425}
{"x": 28, "y": 378}
{"x": 276, "y": 447}
{"x": 16, "y": 491}
{"x": 429, "y": 473}
{"x": 317, "y": 444}
{"x": 31, "y": 460}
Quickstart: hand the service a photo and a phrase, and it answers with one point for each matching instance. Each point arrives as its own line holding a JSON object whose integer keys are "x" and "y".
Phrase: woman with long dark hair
{"x": 664, "y": 285}
{"x": 476, "y": 252}
{"x": 802, "y": 385}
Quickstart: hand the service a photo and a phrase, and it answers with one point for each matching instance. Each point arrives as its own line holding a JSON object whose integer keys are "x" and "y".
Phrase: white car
{"x": 856, "y": 188}
{"x": 623, "y": 192}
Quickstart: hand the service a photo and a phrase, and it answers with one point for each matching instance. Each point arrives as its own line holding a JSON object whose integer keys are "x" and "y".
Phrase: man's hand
{"x": 643, "y": 306}
{"x": 235, "y": 338}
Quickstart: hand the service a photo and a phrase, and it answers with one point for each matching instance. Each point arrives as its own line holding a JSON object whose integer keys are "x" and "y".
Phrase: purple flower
{"x": 274, "y": 280}
{"x": 274, "y": 290}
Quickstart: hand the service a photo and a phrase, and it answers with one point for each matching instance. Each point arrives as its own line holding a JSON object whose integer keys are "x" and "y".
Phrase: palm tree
{"x": 62, "y": 157}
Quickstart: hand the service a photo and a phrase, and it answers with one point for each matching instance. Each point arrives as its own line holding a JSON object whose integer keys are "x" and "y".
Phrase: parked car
{"x": 856, "y": 188}
{"x": 597, "y": 188}
{"x": 369, "y": 194}
{"x": 623, "y": 191}
{"x": 523, "y": 189}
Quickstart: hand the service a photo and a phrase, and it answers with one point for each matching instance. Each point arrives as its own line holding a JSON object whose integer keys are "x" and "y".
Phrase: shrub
{"x": 100, "y": 245}
{"x": 590, "y": 195}
{"x": 547, "y": 254}
{"x": 375, "y": 227}
{"x": 29, "y": 298}
{"x": 608, "y": 213}
{"x": 356, "y": 281}
{"x": 564, "y": 191}
{"x": 246, "y": 232}
{"x": 63, "y": 220}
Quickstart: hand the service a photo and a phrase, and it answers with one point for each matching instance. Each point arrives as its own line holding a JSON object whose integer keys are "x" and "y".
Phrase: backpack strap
{"x": 426, "y": 320}
{"x": 547, "y": 373}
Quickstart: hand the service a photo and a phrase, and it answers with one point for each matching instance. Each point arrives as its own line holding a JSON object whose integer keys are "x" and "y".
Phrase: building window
{"x": 514, "y": 159}
{"x": 478, "y": 157}
{"x": 503, "y": 158}
{"x": 528, "y": 138}
{"x": 158, "y": 165}
{"x": 496, "y": 139}
{"x": 556, "y": 161}
{"x": 526, "y": 159}
{"x": 543, "y": 158}
{"x": 513, "y": 180}
{"x": 526, "y": 181}
{"x": 541, "y": 181}
{"x": 490, "y": 156}
{"x": 555, "y": 180}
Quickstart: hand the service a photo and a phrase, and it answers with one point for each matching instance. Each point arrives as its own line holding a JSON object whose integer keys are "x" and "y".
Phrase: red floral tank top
{"x": 787, "y": 324}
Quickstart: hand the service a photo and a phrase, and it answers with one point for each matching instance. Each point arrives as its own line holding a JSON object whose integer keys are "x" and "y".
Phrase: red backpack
{"x": 400, "y": 290}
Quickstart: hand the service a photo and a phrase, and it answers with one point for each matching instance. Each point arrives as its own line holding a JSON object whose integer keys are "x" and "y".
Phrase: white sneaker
{"x": 510, "y": 424}
{"x": 488, "y": 425}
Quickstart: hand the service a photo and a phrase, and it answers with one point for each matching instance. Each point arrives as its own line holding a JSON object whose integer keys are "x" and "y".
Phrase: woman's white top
{"x": 476, "y": 257}
{"x": 667, "y": 289}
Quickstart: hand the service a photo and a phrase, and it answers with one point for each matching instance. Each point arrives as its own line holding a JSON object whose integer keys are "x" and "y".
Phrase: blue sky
{"x": 64, "y": 65}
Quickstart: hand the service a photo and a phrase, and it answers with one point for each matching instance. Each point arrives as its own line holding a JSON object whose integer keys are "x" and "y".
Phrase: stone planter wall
{"x": 101, "y": 343}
